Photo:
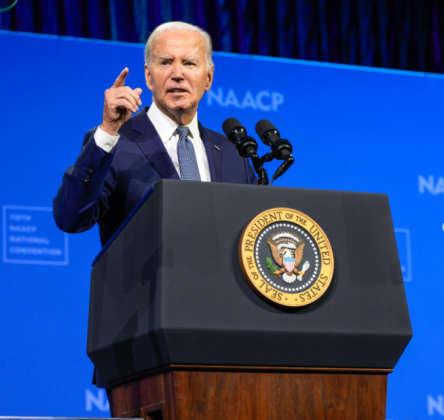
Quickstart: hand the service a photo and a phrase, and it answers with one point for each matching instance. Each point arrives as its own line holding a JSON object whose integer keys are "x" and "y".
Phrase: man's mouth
{"x": 177, "y": 91}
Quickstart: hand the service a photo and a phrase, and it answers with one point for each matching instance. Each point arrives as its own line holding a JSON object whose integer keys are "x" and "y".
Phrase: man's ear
{"x": 209, "y": 79}
{"x": 148, "y": 78}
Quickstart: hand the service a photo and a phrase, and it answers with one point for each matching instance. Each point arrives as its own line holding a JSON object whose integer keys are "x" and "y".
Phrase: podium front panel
{"x": 170, "y": 290}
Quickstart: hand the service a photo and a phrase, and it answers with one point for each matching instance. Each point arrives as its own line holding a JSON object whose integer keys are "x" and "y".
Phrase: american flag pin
{"x": 216, "y": 147}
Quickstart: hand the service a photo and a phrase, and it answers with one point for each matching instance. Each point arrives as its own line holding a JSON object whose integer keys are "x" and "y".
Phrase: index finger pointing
{"x": 120, "y": 81}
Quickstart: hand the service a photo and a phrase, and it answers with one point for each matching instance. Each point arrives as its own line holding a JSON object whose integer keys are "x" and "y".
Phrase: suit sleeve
{"x": 83, "y": 198}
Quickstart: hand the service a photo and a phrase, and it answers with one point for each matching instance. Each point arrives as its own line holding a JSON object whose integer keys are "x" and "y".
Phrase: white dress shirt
{"x": 166, "y": 128}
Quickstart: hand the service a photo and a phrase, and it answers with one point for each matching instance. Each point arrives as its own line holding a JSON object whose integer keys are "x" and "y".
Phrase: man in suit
{"x": 124, "y": 157}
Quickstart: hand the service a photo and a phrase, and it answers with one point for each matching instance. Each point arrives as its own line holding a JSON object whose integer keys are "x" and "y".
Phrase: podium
{"x": 178, "y": 333}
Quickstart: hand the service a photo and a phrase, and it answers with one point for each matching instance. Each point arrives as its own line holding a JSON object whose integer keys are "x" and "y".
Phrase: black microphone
{"x": 280, "y": 148}
{"x": 269, "y": 134}
{"x": 246, "y": 146}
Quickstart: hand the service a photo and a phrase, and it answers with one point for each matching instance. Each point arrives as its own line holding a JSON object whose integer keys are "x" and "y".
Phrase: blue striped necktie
{"x": 187, "y": 157}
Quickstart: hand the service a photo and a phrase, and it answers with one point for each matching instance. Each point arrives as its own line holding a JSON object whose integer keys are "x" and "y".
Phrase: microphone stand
{"x": 288, "y": 161}
{"x": 257, "y": 165}
{"x": 267, "y": 158}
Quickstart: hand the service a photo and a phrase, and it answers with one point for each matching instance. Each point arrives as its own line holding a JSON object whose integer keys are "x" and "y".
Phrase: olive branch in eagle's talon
{"x": 272, "y": 268}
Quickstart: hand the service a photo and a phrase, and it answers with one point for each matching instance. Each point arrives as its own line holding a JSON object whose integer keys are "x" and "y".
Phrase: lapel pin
{"x": 216, "y": 147}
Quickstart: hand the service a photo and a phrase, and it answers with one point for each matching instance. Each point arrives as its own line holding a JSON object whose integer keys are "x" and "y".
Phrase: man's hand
{"x": 120, "y": 102}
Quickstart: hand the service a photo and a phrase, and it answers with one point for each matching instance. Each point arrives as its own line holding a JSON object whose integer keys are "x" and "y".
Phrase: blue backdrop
{"x": 353, "y": 128}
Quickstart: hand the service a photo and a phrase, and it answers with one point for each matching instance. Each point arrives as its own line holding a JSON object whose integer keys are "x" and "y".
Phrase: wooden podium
{"x": 178, "y": 333}
{"x": 204, "y": 392}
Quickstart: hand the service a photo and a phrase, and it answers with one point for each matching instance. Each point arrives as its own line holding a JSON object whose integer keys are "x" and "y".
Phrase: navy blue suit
{"x": 105, "y": 187}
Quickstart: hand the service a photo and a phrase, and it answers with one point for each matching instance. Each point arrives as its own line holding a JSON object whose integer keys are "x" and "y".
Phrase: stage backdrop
{"x": 352, "y": 128}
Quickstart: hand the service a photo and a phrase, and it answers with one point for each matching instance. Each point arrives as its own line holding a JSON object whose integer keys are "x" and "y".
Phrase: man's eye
{"x": 189, "y": 63}
{"x": 164, "y": 63}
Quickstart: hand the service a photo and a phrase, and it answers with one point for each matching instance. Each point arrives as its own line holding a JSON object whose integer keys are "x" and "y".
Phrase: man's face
{"x": 178, "y": 75}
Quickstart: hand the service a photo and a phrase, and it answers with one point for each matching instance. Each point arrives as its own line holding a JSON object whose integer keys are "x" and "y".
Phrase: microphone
{"x": 280, "y": 148}
{"x": 269, "y": 134}
{"x": 246, "y": 146}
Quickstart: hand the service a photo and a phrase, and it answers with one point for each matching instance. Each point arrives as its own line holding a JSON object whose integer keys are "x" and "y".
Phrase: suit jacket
{"x": 105, "y": 187}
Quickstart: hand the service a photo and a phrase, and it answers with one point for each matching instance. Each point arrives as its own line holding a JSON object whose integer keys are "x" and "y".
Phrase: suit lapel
{"x": 151, "y": 145}
{"x": 147, "y": 138}
{"x": 214, "y": 155}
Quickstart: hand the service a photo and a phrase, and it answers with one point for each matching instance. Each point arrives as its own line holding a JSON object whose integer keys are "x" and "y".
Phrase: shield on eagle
{"x": 289, "y": 264}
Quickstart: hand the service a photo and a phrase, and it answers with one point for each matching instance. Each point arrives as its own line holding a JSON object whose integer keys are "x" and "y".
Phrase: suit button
{"x": 92, "y": 169}
{"x": 87, "y": 178}
{"x": 84, "y": 184}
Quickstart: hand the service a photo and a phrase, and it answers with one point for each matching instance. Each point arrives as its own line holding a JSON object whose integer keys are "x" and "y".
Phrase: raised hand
{"x": 120, "y": 102}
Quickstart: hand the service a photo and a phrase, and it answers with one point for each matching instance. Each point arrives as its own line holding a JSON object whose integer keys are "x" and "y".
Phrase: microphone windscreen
{"x": 264, "y": 126}
{"x": 231, "y": 124}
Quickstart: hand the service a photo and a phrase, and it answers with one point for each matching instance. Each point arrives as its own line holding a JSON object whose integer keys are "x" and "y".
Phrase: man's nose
{"x": 177, "y": 73}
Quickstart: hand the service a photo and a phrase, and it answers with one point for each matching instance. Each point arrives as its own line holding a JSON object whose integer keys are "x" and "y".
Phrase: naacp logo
{"x": 286, "y": 257}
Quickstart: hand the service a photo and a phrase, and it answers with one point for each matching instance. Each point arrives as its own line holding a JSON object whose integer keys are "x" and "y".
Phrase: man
{"x": 124, "y": 157}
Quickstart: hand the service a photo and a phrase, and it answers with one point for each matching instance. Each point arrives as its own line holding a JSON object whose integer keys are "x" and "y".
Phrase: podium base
{"x": 185, "y": 392}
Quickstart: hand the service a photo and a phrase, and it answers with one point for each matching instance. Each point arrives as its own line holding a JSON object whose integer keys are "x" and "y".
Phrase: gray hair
{"x": 177, "y": 26}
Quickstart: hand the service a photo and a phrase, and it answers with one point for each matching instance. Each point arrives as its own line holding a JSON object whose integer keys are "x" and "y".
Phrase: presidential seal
{"x": 286, "y": 257}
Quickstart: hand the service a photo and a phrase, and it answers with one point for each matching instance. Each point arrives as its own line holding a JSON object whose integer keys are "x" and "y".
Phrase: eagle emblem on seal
{"x": 287, "y": 250}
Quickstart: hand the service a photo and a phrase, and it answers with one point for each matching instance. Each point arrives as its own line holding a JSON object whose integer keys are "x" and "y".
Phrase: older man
{"x": 124, "y": 157}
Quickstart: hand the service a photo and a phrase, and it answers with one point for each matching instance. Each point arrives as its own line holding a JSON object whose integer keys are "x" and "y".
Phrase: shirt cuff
{"x": 104, "y": 140}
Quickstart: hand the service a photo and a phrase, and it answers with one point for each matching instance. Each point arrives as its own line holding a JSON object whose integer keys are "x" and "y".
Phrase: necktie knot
{"x": 182, "y": 131}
